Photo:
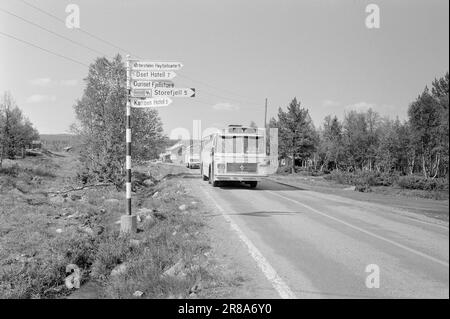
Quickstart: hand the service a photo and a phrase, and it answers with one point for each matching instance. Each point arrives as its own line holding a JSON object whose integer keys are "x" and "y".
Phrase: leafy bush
{"x": 339, "y": 177}
{"x": 282, "y": 170}
{"x": 363, "y": 188}
{"x": 420, "y": 182}
{"x": 12, "y": 171}
{"x": 369, "y": 178}
{"x": 309, "y": 172}
{"x": 43, "y": 172}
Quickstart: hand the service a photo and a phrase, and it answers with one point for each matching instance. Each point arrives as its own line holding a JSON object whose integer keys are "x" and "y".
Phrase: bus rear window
{"x": 240, "y": 144}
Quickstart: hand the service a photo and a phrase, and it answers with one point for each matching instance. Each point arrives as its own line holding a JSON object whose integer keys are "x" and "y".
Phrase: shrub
{"x": 12, "y": 171}
{"x": 39, "y": 171}
{"x": 340, "y": 177}
{"x": 284, "y": 170}
{"x": 363, "y": 188}
{"x": 420, "y": 182}
{"x": 369, "y": 178}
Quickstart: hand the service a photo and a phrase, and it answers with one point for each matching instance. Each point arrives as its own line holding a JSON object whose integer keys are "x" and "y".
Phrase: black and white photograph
{"x": 224, "y": 157}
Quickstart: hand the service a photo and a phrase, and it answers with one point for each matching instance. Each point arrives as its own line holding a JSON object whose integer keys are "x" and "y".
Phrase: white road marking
{"x": 280, "y": 286}
{"x": 444, "y": 263}
{"x": 374, "y": 205}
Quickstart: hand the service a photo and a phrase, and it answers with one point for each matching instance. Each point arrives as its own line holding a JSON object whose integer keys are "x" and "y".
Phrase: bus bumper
{"x": 239, "y": 178}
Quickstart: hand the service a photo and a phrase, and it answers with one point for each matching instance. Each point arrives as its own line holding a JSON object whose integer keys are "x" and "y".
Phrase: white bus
{"x": 236, "y": 153}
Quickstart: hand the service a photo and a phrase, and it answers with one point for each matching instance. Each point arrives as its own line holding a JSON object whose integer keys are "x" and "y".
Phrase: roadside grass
{"x": 414, "y": 193}
{"x": 40, "y": 234}
{"x": 373, "y": 182}
{"x": 166, "y": 258}
{"x": 42, "y": 231}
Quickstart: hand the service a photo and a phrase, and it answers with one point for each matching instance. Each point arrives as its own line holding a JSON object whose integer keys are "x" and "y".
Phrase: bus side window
{"x": 245, "y": 144}
{"x": 223, "y": 148}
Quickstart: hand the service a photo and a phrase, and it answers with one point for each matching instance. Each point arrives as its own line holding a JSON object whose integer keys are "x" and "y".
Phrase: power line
{"x": 196, "y": 100}
{"x": 79, "y": 29}
{"x": 213, "y": 87}
{"x": 52, "y": 32}
{"x": 228, "y": 98}
{"x": 43, "y": 49}
{"x": 126, "y": 51}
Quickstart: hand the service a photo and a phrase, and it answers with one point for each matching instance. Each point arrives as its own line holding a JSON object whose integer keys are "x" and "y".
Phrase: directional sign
{"x": 141, "y": 93}
{"x": 162, "y": 84}
{"x": 156, "y": 66}
{"x": 174, "y": 92}
{"x": 152, "y": 75}
{"x": 152, "y": 102}
{"x": 141, "y": 85}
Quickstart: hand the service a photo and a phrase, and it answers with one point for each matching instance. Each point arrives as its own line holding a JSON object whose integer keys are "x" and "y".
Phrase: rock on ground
{"x": 119, "y": 270}
{"x": 176, "y": 270}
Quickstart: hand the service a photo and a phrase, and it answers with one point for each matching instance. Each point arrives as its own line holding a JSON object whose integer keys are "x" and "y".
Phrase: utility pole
{"x": 128, "y": 221}
{"x": 265, "y": 115}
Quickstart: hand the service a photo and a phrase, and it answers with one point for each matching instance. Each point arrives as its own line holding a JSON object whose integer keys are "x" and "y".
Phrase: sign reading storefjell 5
{"x": 150, "y": 83}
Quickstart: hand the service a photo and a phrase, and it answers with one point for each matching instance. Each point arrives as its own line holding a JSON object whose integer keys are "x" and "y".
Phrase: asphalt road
{"x": 314, "y": 245}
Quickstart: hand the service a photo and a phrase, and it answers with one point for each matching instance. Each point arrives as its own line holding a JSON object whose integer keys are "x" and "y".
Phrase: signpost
{"x": 175, "y": 92}
{"x": 148, "y": 85}
{"x": 153, "y": 75}
{"x": 162, "y": 92}
{"x": 142, "y": 93}
{"x": 147, "y": 66}
{"x": 151, "y": 102}
{"x": 135, "y": 84}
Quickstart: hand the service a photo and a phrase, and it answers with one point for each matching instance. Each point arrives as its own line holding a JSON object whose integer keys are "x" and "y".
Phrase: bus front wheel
{"x": 213, "y": 182}
{"x": 252, "y": 184}
{"x": 203, "y": 173}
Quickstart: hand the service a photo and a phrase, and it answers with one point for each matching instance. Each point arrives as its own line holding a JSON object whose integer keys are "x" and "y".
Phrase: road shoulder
{"x": 241, "y": 278}
{"x": 432, "y": 211}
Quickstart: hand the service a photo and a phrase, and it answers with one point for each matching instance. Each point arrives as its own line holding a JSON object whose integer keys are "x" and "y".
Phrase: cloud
{"x": 225, "y": 107}
{"x": 69, "y": 82}
{"x": 361, "y": 106}
{"x": 330, "y": 103}
{"x": 46, "y": 82}
{"x": 41, "y": 82}
{"x": 39, "y": 98}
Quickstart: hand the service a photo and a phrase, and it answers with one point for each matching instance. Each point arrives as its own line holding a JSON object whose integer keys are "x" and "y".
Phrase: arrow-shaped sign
{"x": 141, "y": 93}
{"x": 174, "y": 92}
{"x": 152, "y": 102}
{"x": 152, "y": 75}
{"x": 155, "y": 66}
{"x": 143, "y": 85}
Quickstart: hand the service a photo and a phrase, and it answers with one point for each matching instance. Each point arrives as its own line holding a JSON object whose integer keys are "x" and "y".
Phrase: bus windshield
{"x": 240, "y": 144}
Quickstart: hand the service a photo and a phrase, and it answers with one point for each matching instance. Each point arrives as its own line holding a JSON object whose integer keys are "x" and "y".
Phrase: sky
{"x": 236, "y": 53}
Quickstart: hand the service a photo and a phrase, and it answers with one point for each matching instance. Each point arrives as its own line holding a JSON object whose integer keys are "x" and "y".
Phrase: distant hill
{"x": 58, "y": 137}
{"x": 57, "y": 142}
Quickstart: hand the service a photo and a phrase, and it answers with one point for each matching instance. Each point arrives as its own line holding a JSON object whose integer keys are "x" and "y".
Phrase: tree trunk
{"x": 411, "y": 166}
{"x": 293, "y": 165}
{"x": 424, "y": 168}
{"x": 438, "y": 159}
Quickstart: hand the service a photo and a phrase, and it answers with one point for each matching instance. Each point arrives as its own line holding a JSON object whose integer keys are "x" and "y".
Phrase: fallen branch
{"x": 81, "y": 188}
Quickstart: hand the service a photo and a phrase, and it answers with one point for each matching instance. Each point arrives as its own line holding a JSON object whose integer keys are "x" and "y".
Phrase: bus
{"x": 237, "y": 153}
